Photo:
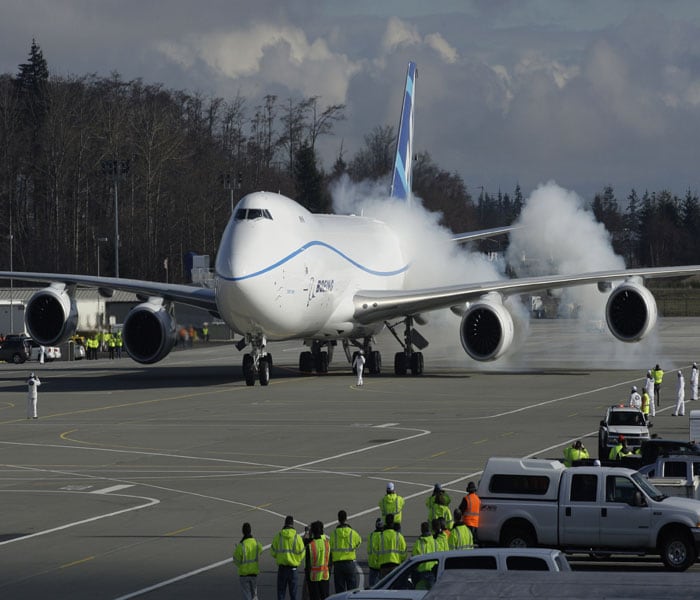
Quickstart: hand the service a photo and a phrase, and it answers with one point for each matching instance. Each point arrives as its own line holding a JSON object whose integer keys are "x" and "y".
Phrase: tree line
{"x": 178, "y": 160}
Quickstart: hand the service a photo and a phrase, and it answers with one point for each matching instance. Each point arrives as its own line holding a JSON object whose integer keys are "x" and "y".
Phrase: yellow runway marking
{"x": 172, "y": 533}
{"x": 390, "y": 468}
{"x": 438, "y": 454}
{"x": 481, "y": 441}
{"x": 77, "y": 562}
{"x": 226, "y": 390}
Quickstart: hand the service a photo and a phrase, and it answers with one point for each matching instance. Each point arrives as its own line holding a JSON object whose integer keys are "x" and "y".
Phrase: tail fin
{"x": 401, "y": 179}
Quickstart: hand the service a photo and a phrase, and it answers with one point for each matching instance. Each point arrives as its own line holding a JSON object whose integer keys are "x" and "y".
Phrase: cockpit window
{"x": 249, "y": 214}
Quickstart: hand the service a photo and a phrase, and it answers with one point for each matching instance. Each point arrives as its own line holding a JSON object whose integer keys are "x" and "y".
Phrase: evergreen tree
{"x": 308, "y": 181}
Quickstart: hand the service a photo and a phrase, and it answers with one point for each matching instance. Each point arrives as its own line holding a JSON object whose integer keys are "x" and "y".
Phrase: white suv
{"x": 620, "y": 421}
{"x": 408, "y": 582}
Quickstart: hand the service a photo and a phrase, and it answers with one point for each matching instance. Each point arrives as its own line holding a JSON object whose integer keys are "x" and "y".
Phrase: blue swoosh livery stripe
{"x": 324, "y": 245}
{"x": 401, "y": 179}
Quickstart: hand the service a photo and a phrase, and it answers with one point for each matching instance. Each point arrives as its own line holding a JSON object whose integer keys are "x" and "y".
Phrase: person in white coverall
{"x": 635, "y": 399}
{"x": 694, "y": 382}
{"x": 359, "y": 365}
{"x": 649, "y": 387}
{"x": 32, "y": 396}
{"x": 680, "y": 396}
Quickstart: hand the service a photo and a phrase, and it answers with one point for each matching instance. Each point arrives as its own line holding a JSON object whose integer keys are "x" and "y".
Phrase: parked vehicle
{"x": 621, "y": 421}
{"x": 652, "y": 449}
{"x": 675, "y": 475}
{"x": 50, "y": 352}
{"x": 601, "y": 510}
{"x": 15, "y": 350}
{"x": 407, "y": 581}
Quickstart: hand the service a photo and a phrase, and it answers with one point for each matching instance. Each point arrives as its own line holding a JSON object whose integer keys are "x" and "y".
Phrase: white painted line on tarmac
{"x": 114, "y": 488}
{"x": 387, "y": 425}
{"x": 151, "y": 502}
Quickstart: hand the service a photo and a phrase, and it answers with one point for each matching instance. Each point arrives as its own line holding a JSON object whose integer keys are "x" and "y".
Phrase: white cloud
{"x": 271, "y": 54}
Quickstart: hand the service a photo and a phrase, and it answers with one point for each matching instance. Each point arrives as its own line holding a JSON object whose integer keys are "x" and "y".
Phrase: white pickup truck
{"x": 602, "y": 510}
{"x": 675, "y": 475}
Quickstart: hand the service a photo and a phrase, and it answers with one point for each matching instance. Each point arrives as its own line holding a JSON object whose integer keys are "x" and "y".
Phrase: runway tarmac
{"x": 135, "y": 480}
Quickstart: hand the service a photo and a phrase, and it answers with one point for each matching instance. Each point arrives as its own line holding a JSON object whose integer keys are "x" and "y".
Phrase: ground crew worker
{"x": 318, "y": 554}
{"x": 470, "y": 507}
{"x": 288, "y": 551}
{"x": 619, "y": 450}
{"x": 441, "y": 541}
{"x": 658, "y": 374}
{"x": 461, "y": 537}
{"x": 680, "y": 396}
{"x": 649, "y": 387}
{"x": 32, "y": 396}
{"x": 372, "y": 557}
{"x": 344, "y": 542}
{"x": 635, "y": 399}
{"x": 205, "y": 332}
{"x": 119, "y": 342}
{"x": 694, "y": 382}
{"x": 359, "y": 366}
{"x": 646, "y": 403}
{"x": 577, "y": 451}
{"x": 246, "y": 557}
{"x": 425, "y": 544}
{"x": 111, "y": 345}
{"x": 390, "y": 548}
{"x": 392, "y": 504}
{"x": 438, "y": 504}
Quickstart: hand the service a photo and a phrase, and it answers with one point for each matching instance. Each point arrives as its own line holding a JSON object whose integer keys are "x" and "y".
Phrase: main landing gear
{"x": 318, "y": 358}
{"x": 409, "y": 358}
{"x": 373, "y": 358}
{"x": 257, "y": 364}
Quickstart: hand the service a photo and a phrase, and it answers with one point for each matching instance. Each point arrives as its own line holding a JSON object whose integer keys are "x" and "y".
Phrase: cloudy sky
{"x": 583, "y": 92}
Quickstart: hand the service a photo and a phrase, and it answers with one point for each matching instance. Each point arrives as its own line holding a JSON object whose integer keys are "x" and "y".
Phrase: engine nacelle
{"x": 487, "y": 328}
{"x": 51, "y": 315}
{"x": 149, "y": 332}
{"x": 630, "y": 311}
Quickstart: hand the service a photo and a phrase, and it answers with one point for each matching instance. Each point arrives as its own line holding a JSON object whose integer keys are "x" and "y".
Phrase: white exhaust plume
{"x": 559, "y": 236}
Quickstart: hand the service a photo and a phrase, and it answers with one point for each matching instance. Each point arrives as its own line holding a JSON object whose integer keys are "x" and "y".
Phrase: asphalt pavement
{"x": 135, "y": 480}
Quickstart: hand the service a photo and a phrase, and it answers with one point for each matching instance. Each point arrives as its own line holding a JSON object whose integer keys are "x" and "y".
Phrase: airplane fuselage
{"x": 284, "y": 272}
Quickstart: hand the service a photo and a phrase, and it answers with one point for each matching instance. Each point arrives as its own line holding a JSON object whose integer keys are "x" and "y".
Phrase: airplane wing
{"x": 372, "y": 306}
{"x": 463, "y": 238}
{"x": 186, "y": 294}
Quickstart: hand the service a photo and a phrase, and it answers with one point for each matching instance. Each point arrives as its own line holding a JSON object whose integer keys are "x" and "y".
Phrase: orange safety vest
{"x": 319, "y": 555}
{"x": 471, "y": 515}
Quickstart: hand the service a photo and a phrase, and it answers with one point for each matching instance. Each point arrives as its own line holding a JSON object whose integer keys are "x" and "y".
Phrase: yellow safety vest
{"x": 287, "y": 548}
{"x": 392, "y": 504}
{"x": 460, "y": 538}
{"x": 390, "y": 547}
{"x": 344, "y": 542}
{"x": 246, "y": 556}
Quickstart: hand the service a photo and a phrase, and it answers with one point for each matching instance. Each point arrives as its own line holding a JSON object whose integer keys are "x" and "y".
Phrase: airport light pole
{"x": 10, "y": 237}
{"x": 116, "y": 168}
{"x": 99, "y": 240}
{"x": 99, "y": 307}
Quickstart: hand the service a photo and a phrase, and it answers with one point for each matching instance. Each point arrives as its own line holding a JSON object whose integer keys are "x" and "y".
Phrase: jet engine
{"x": 51, "y": 315}
{"x": 630, "y": 311}
{"x": 149, "y": 332}
{"x": 487, "y": 328}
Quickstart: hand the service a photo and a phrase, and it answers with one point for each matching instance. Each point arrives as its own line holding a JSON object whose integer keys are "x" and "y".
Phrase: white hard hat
{"x": 634, "y": 388}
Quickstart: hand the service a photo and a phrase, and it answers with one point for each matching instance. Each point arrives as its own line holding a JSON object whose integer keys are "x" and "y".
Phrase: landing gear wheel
{"x": 322, "y": 362}
{"x": 264, "y": 370}
{"x": 248, "y": 370}
{"x": 306, "y": 362}
{"x": 375, "y": 362}
{"x": 417, "y": 363}
{"x": 400, "y": 363}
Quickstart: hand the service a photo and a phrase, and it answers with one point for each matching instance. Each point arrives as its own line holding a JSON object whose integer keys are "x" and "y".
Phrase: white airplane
{"x": 283, "y": 273}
